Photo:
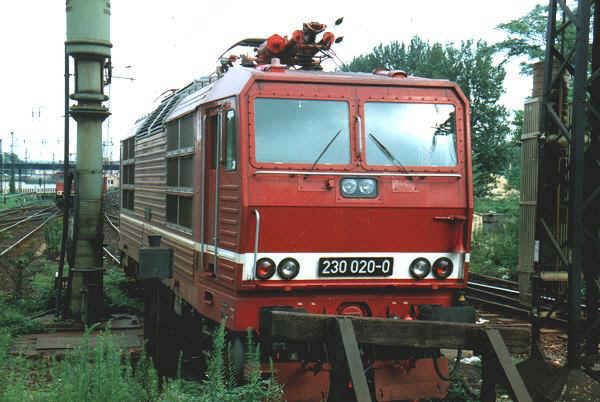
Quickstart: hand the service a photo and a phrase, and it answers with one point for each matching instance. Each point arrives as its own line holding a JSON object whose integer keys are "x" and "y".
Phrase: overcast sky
{"x": 165, "y": 44}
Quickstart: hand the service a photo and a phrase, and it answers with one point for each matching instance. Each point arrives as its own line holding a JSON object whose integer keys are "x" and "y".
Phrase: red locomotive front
{"x": 60, "y": 184}
{"x": 327, "y": 193}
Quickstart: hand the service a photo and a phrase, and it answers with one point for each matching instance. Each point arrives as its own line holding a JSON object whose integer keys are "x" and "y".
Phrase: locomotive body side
{"x": 301, "y": 196}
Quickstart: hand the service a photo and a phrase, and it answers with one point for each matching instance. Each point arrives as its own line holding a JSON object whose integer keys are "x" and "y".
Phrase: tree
{"x": 7, "y": 159}
{"x": 526, "y": 36}
{"x": 513, "y": 170}
{"x": 471, "y": 65}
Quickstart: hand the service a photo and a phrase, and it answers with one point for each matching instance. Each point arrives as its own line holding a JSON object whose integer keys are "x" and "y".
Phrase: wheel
{"x": 238, "y": 356}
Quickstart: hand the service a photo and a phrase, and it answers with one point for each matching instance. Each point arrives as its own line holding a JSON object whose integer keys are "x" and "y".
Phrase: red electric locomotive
{"x": 60, "y": 188}
{"x": 60, "y": 184}
{"x": 324, "y": 192}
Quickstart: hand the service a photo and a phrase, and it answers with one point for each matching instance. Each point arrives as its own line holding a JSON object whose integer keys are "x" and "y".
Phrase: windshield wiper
{"x": 325, "y": 149}
{"x": 384, "y": 150}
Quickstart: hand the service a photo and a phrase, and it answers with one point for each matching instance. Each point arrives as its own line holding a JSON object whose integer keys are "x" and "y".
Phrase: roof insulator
{"x": 390, "y": 73}
{"x": 275, "y": 66}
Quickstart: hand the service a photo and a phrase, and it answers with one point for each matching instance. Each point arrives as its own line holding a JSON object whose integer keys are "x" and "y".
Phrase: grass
{"x": 8, "y": 201}
{"x": 508, "y": 205}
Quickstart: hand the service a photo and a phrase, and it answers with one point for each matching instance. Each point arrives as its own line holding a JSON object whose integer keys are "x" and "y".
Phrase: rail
{"x": 15, "y": 201}
{"x": 112, "y": 225}
{"x": 503, "y": 294}
{"x": 19, "y": 209}
{"x": 111, "y": 256}
{"x": 27, "y": 236}
{"x": 37, "y": 215}
{"x": 508, "y": 284}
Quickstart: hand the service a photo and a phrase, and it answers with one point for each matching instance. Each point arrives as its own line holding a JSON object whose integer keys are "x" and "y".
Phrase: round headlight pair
{"x": 420, "y": 268}
{"x": 287, "y": 269}
{"x": 359, "y": 187}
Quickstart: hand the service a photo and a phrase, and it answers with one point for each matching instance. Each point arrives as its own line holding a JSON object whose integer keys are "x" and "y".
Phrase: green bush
{"x": 101, "y": 371}
{"x": 115, "y": 293}
{"x": 497, "y": 253}
{"x": 8, "y": 201}
{"x": 53, "y": 237}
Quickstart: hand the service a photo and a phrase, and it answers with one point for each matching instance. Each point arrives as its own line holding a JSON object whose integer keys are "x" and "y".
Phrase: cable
{"x": 450, "y": 372}
{"x": 66, "y": 193}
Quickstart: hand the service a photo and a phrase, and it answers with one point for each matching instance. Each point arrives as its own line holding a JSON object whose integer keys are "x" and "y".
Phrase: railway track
{"x": 500, "y": 294}
{"x": 20, "y": 224}
{"x": 496, "y": 293}
{"x": 21, "y": 217}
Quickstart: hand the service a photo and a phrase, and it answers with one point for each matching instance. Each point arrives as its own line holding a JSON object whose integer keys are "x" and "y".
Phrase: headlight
{"x": 442, "y": 268}
{"x": 366, "y": 186}
{"x": 420, "y": 268}
{"x": 349, "y": 186}
{"x": 359, "y": 188}
{"x": 265, "y": 268}
{"x": 288, "y": 268}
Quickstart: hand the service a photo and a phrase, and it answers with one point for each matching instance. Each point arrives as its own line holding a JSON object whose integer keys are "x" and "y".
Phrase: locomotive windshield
{"x": 302, "y": 131}
{"x": 407, "y": 134}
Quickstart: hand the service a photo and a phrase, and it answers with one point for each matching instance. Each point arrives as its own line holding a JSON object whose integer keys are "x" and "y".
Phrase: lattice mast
{"x": 568, "y": 202}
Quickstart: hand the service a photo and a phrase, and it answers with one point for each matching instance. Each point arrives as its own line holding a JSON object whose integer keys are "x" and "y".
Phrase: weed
{"x": 99, "y": 370}
{"x": 220, "y": 382}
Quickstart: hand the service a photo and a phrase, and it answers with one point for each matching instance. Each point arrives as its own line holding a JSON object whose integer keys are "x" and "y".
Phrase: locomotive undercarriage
{"x": 179, "y": 338}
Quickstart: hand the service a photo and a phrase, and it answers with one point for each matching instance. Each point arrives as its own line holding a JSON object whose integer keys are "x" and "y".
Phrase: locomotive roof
{"x": 208, "y": 89}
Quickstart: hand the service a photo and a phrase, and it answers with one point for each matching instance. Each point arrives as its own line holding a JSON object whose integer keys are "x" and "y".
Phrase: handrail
{"x": 359, "y": 131}
{"x": 217, "y": 184}
{"x": 256, "y": 234}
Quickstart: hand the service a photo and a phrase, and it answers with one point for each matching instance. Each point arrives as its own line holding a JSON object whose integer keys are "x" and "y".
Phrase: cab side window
{"x": 230, "y": 141}
{"x": 213, "y": 128}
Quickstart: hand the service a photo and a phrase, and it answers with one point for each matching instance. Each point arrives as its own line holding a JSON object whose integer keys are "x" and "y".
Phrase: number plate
{"x": 356, "y": 266}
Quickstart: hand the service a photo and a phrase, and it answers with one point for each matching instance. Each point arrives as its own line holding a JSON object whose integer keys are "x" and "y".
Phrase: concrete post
{"x": 88, "y": 42}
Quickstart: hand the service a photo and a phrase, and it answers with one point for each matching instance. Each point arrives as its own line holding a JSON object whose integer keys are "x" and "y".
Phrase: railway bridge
{"x": 48, "y": 165}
